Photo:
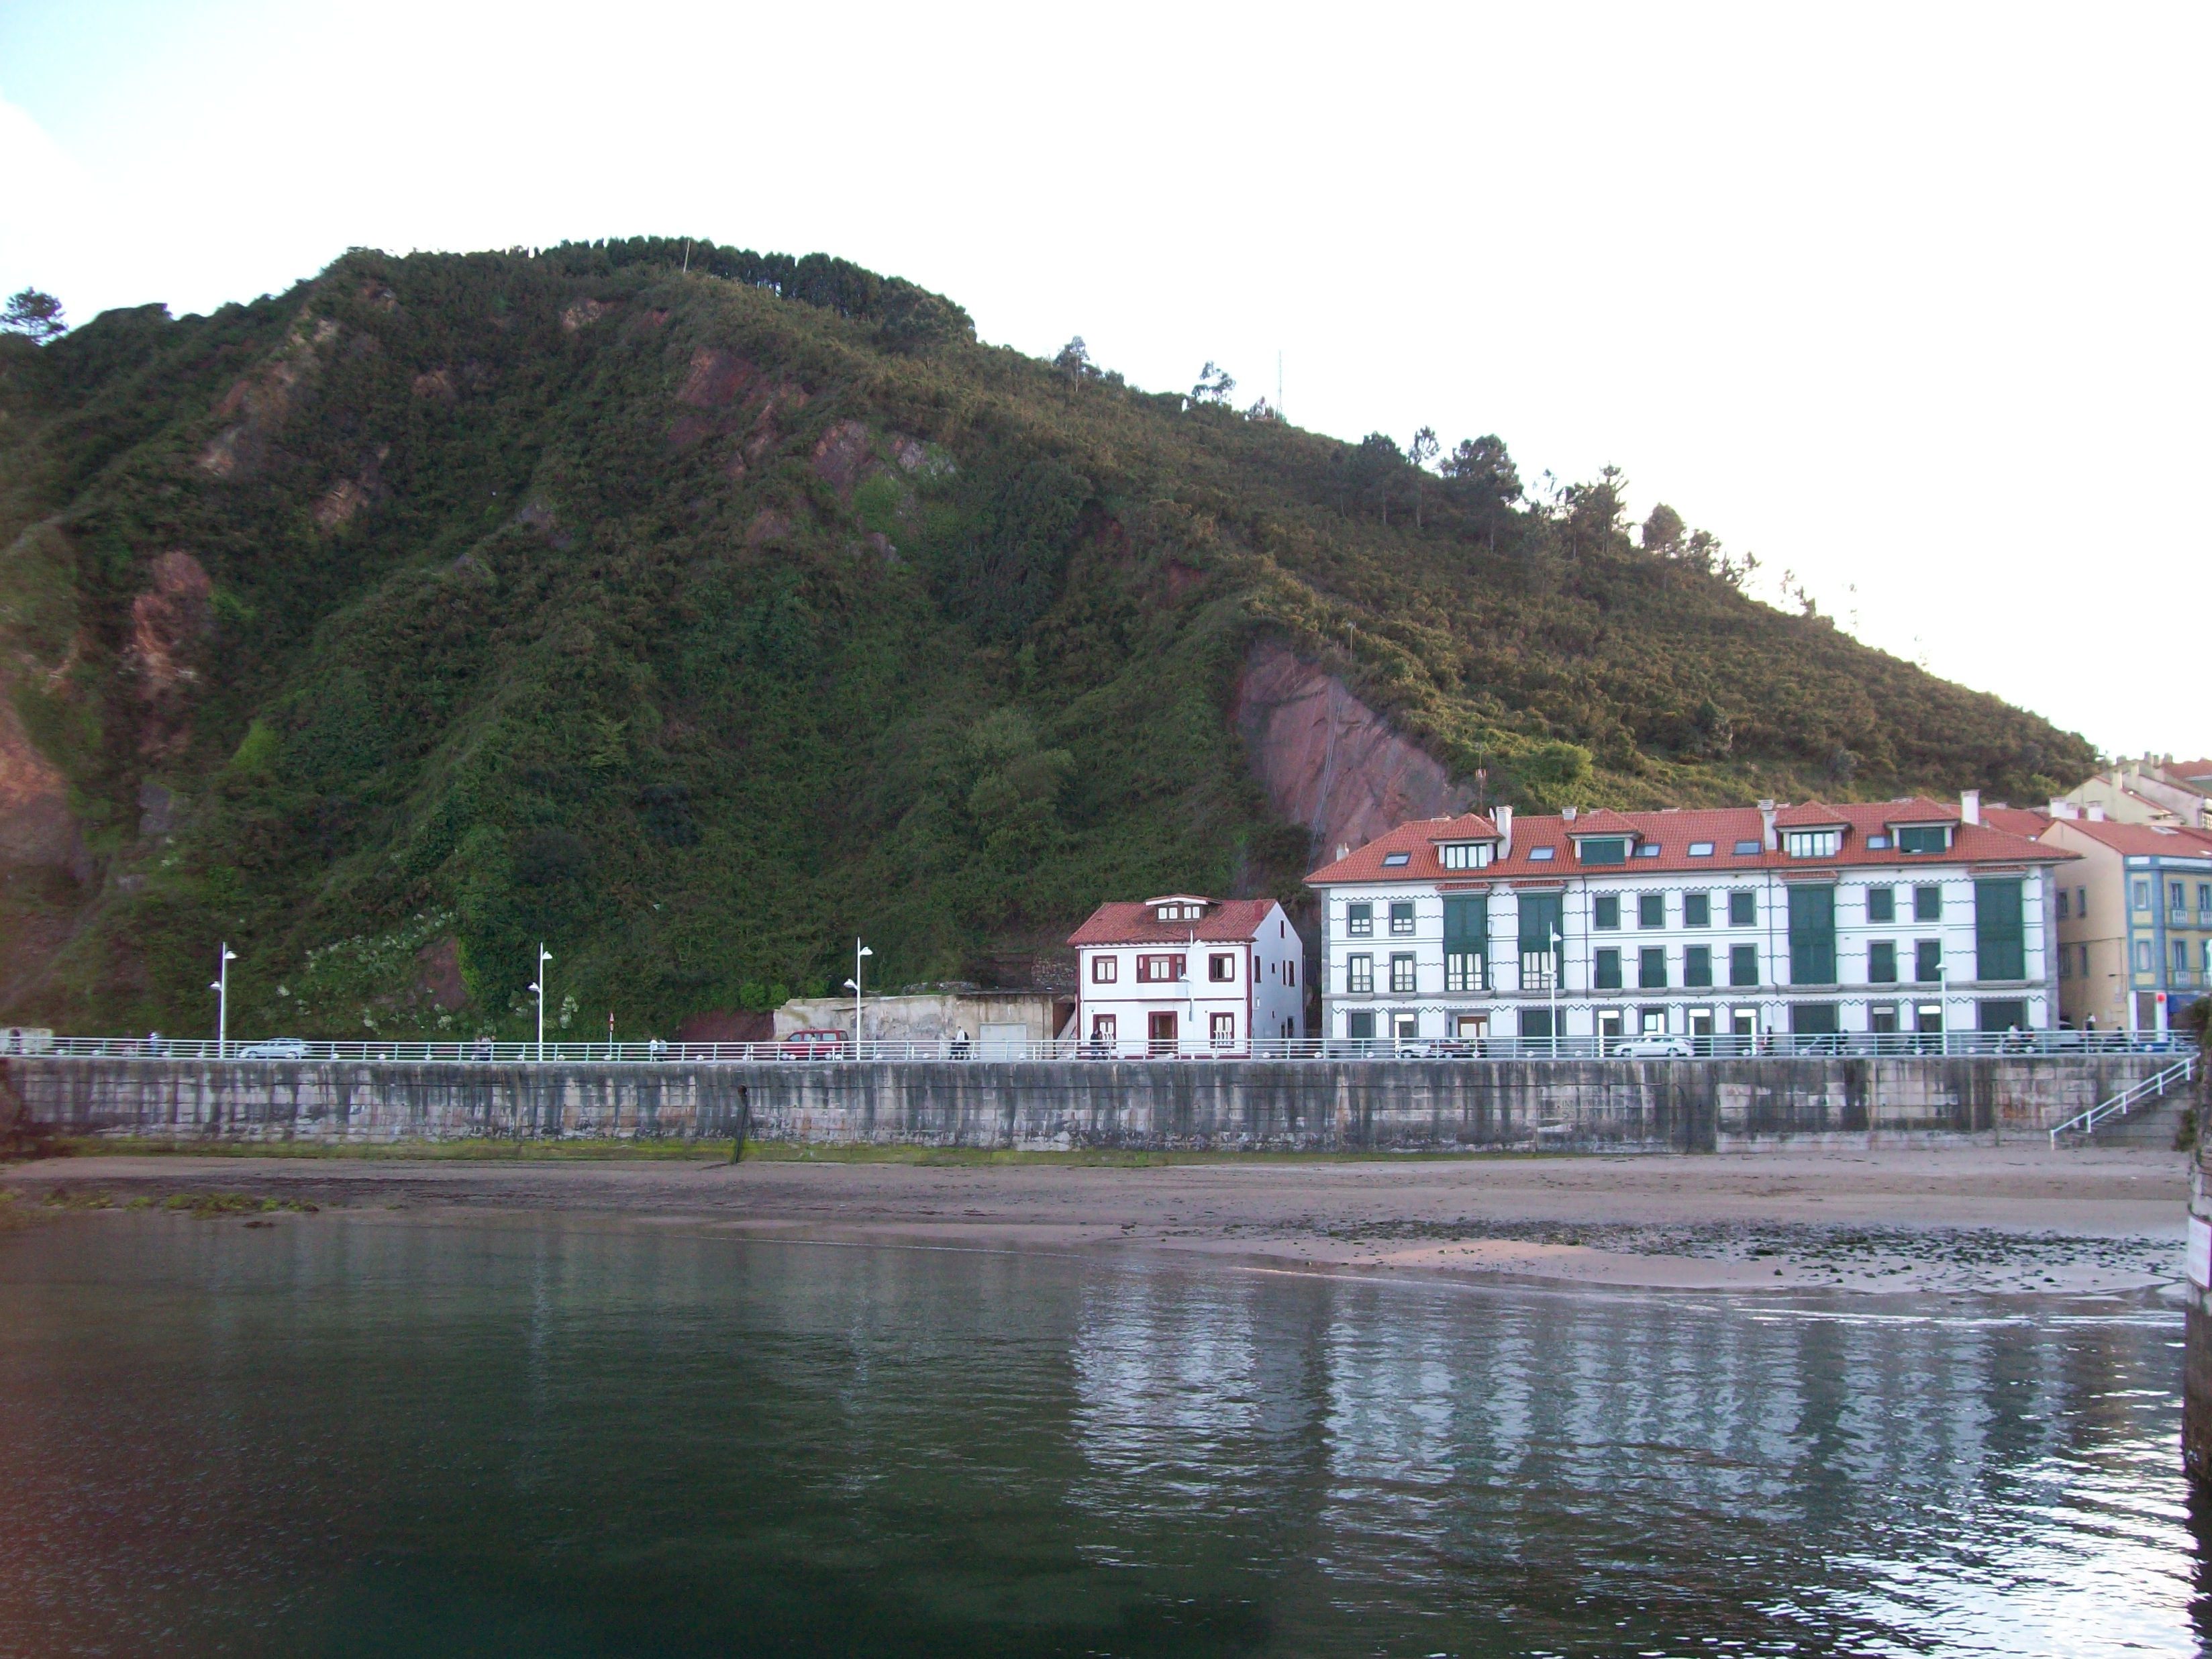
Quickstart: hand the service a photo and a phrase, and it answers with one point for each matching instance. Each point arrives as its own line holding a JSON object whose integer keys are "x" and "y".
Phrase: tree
{"x": 35, "y": 316}
{"x": 1419, "y": 453}
{"x": 1074, "y": 363}
{"x": 1214, "y": 386}
{"x": 1663, "y": 530}
{"x": 1481, "y": 474}
{"x": 1375, "y": 465}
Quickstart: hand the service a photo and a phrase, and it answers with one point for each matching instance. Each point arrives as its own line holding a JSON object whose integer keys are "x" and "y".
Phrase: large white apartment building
{"x": 1183, "y": 974}
{"x": 1907, "y": 915}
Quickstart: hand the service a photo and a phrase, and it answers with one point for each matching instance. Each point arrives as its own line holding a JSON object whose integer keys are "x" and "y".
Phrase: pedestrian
{"x": 960, "y": 1042}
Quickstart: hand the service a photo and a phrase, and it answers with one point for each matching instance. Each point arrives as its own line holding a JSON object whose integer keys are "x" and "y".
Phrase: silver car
{"x": 1652, "y": 1048}
{"x": 274, "y": 1048}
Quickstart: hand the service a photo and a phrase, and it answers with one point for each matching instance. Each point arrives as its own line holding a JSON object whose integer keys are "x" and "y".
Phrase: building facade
{"x": 1905, "y": 916}
{"x": 1184, "y": 974}
{"x": 2134, "y": 920}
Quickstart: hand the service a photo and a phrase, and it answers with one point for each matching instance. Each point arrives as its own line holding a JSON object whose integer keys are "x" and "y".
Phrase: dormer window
{"x": 1814, "y": 843}
{"x": 1464, "y": 854}
{"x": 1181, "y": 912}
{"x": 1925, "y": 838}
{"x": 1604, "y": 849}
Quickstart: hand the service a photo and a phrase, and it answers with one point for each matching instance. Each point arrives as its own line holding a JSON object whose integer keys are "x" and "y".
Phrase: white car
{"x": 1652, "y": 1048}
{"x": 274, "y": 1048}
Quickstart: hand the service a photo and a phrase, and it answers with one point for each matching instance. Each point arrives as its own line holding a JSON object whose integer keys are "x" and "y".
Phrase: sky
{"x": 1906, "y": 299}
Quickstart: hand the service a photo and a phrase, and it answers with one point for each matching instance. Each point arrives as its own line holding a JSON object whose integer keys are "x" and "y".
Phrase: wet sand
{"x": 2006, "y": 1219}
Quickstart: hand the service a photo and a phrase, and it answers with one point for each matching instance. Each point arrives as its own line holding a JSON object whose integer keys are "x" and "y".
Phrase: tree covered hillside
{"x": 696, "y": 620}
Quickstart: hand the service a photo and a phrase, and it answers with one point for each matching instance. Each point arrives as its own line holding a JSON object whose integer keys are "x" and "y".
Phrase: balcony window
{"x": 1743, "y": 908}
{"x": 1605, "y": 911}
{"x": 1402, "y": 917}
{"x": 1814, "y": 843}
{"x": 1605, "y": 973}
{"x": 1359, "y": 920}
{"x": 1651, "y": 909}
{"x": 1651, "y": 968}
{"x": 1464, "y": 970}
{"x": 1359, "y": 976}
{"x": 1401, "y": 973}
{"x": 1697, "y": 909}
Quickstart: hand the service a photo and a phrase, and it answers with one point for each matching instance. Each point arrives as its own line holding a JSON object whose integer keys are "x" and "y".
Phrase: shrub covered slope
{"x": 696, "y": 620}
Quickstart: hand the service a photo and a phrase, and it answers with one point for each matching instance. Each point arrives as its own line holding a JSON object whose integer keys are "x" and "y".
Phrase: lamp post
{"x": 860, "y": 950}
{"x": 220, "y": 986}
{"x": 1553, "y": 979}
{"x": 537, "y": 989}
{"x": 1943, "y": 996}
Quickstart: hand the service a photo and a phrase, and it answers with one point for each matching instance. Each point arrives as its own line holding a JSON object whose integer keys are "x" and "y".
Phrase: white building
{"x": 1181, "y": 973}
{"x": 1901, "y": 916}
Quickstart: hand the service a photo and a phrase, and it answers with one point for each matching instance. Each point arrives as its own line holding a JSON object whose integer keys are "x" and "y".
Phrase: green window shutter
{"x": 1605, "y": 911}
{"x": 1881, "y": 904}
{"x": 2000, "y": 930}
{"x": 1743, "y": 908}
{"x": 1651, "y": 968}
{"x": 1467, "y": 924}
{"x": 1812, "y": 936}
{"x": 1607, "y": 967}
{"x": 1881, "y": 962}
{"x": 1698, "y": 965}
{"x": 1743, "y": 964}
{"x": 1540, "y": 915}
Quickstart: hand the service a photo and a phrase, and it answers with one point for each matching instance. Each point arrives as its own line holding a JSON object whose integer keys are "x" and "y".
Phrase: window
{"x": 1401, "y": 972}
{"x": 2180, "y": 957}
{"x": 1925, "y": 838}
{"x": 1881, "y": 904}
{"x": 2004, "y": 1014}
{"x": 1463, "y": 970}
{"x": 2082, "y": 903}
{"x": 1651, "y": 909}
{"x": 1102, "y": 1028}
{"x": 2065, "y": 963}
{"x": 1882, "y": 1019}
{"x": 1813, "y": 1019}
{"x": 1358, "y": 976}
{"x": 2204, "y": 894}
{"x": 1814, "y": 843}
{"x": 1604, "y": 849}
{"x": 2085, "y": 962}
{"x": 1701, "y": 849}
{"x": 1158, "y": 970}
{"x": 1605, "y": 911}
{"x": 1359, "y": 920}
{"x": 2064, "y": 906}
{"x": 1221, "y": 968}
{"x": 1405, "y": 1027}
{"x": 2140, "y": 894}
{"x": 1697, "y": 909}
{"x": 1745, "y": 849}
{"x": 1651, "y": 968}
{"x": 1881, "y": 962}
{"x": 1605, "y": 974}
{"x": 1222, "y": 1028}
{"x": 2000, "y": 930}
{"x": 1536, "y": 1022}
{"x": 1812, "y": 935}
{"x": 1290, "y": 971}
{"x": 1359, "y": 1027}
{"x": 1467, "y": 944}
{"x": 2176, "y": 894}
{"x": 1464, "y": 854}
{"x": 1402, "y": 917}
{"x": 1927, "y": 904}
{"x": 1104, "y": 970}
{"x": 1181, "y": 912}
{"x": 1647, "y": 849}
{"x": 1877, "y": 843}
{"x": 1927, "y": 960}
{"x": 1396, "y": 860}
{"x": 1743, "y": 964}
{"x": 1539, "y": 937}
{"x": 2142, "y": 955}
{"x": 1541, "y": 854}
{"x": 1743, "y": 908}
{"x": 1698, "y": 965}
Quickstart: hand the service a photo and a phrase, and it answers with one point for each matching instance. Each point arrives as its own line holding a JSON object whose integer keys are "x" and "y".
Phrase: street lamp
{"x": 537, "y": 989}
{"x": 1943, "y": 995}
{"x": 852, "y": 985}
{"x": 1557, "y": 941}
{"x": 220, "y": 986}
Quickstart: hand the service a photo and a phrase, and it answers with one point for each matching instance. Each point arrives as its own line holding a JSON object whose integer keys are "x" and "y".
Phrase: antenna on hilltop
{"x": 1279, "y": 385}
{"x": 687, "y": 256}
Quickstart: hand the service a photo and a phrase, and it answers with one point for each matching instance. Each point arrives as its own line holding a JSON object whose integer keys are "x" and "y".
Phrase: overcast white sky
{"x": 1907, "y": 299}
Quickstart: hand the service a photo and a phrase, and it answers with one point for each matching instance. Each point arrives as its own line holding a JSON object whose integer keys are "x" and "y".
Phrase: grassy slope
{"x": 566, "y": 677}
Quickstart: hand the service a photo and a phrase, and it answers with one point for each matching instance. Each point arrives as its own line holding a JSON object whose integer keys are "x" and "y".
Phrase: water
{"x": 351, "y": 1435}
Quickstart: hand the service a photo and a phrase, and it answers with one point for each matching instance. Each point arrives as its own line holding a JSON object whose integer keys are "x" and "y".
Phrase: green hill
{"x": 696, "y": 621}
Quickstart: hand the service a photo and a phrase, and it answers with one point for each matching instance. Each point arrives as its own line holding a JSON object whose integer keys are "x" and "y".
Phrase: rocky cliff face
{"x": 1328, "y": 760}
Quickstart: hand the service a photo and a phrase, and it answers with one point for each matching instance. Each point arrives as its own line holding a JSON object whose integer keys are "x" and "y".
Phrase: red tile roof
{"x": 1672, "y": 832}
{"x": 2017, "y": 820}
{"x": 2141, "y": 839}
{"x": 1813, "y": 815}
{"x": 1225, "y": 920}
{"x": 1604, "y": 820}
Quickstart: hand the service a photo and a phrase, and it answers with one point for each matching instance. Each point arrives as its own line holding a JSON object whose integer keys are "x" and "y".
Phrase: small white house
{"x": 1182, "y": 973}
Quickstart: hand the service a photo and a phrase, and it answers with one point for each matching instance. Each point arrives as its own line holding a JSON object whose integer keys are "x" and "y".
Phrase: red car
{"x": 815, "y": 1045}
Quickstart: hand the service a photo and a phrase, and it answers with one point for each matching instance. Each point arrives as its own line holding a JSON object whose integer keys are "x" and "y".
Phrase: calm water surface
{"x": 344, "y": 1435}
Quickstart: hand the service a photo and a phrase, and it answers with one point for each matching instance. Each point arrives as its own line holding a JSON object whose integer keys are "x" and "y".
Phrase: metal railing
{"x": 2119, "y": 1105}
{"x": 2028, "y": 1045}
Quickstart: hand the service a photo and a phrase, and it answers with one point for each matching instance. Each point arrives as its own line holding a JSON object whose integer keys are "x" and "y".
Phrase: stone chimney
{"x": 2064, "y": 808}
{"x": 1766, "y": 835}
{"x": 1568, "y": 813}
{"x": 1343, "y": 852}
{"x": 1503, "y": 817}
{"x": 2096, "y": 813}
{"x": 1970, "y": 805}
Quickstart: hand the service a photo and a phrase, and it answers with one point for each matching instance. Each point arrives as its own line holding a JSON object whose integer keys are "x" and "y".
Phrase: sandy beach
{"x": 1996, "y": 1219}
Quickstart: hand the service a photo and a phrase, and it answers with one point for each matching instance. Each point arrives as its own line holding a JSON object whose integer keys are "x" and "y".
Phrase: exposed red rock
{"x": 715, "y": 377}
{"x": 35, "y": 825}
{"x": 167, "y": 622}
{"x": 844, "y": 455}
{"x": 584, "y": 312}
{"x": 1328, "y": 761}
{"x": 438, "y": 977}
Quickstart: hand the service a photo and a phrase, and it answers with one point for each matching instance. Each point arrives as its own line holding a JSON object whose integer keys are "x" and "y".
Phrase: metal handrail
{"x": 2020, "y": 1045}
{"x": 2149, "y": 1088}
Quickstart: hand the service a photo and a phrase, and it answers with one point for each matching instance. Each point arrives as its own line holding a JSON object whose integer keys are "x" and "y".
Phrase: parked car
{"x": 274, "y": 1048}
{"x": 1436, "y": 1049}
{"x": 1652, "y": 1048}
{"x": 814, "y": 1045}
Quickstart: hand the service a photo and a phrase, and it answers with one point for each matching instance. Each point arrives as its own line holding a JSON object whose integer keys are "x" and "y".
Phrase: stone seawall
{"x": 1408, "y": 1105}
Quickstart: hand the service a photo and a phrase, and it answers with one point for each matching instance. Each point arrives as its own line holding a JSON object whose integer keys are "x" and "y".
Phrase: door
{"x": 1608, "y": 1029}
{"x": 1004, "y": 1041}
{"x": 1160, "y": 1033}
{"x": 1701, "y": 1031}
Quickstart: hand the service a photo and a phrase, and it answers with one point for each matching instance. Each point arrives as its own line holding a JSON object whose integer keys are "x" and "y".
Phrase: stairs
{"x": 2117, "y": 1121}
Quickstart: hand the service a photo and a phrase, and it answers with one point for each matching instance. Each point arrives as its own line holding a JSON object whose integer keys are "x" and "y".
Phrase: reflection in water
{"x": 351, "y": 1435}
